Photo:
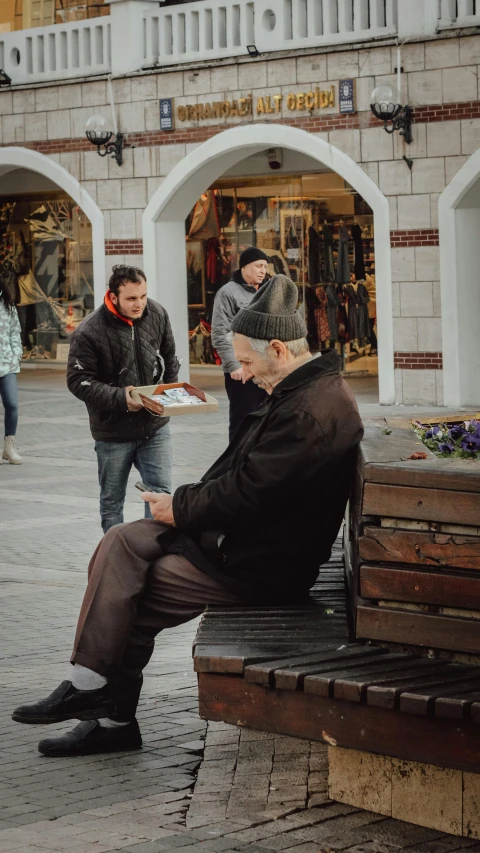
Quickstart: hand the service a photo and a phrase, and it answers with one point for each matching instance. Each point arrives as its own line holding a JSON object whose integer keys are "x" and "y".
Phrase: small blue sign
{"x": 166, "y": 113}
{"x": 346, "y": 96}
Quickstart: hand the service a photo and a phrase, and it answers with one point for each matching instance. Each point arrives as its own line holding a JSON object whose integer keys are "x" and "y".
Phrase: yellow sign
{"x": 317, "y": 99}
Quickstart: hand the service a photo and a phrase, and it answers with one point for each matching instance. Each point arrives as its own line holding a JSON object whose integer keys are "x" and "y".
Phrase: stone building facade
{"x": 440, "y": 81}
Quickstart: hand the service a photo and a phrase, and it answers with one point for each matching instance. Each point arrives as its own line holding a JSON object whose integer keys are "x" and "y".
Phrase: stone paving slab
{"x": 192, "y": 788}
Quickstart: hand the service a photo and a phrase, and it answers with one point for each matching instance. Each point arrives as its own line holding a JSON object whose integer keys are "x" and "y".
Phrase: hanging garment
{"x": 359, "y": 260}
{"x": 343, "y": 264}
{"x": 311, "y": 303}
{"x": 205, "y": 222}
{"x": 328, "y": 268}
{"x": 200, "y": 342}
{"x": 372, "y": 294}
{"x": 314, "y": 248}
{"x": 342, "y": 320}
{"x": 358, "y": 325}
{"x": 321, "y": 319}
{"x": 333, "y": 303}
{"x": 213, "y": 247}
{"x": 276, "y": 259}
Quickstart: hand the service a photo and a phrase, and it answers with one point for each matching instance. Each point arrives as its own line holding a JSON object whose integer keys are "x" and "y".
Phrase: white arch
{"x": 25, "y": 158}
{"x": 164, "y": 222}
{"x": 459, "y": 228}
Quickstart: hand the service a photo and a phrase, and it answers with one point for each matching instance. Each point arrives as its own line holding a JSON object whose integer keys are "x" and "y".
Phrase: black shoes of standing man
{"x": 68, "y": 703}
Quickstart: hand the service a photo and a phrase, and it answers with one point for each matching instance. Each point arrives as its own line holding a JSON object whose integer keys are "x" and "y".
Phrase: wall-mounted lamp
{"x": 99, "y": 134}
{"x": 385, "y": 104}
{"x": 5, "y": 80}
{"x": 253, "y": 50}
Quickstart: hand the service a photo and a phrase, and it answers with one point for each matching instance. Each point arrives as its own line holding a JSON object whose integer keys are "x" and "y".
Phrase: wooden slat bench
{"x": 413, "y": 547}
{"x": 321, "y": 687}
{"x": 229, "y": 639}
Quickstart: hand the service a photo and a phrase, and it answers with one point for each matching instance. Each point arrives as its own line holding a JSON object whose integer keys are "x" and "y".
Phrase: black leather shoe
{"x": 67, "y": 703}
{"x": 89, "y": 738}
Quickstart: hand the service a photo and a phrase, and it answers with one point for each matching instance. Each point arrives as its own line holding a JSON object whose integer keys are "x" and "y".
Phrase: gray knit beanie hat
{"x": 272, "y": 314}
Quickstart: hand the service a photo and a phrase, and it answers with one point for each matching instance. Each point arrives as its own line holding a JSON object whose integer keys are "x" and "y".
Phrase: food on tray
{"x": 175, "y": 396}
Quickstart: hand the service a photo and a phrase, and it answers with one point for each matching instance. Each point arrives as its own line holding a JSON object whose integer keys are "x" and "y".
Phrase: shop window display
{"x": 46, "y": 247}
{"x": 314, "y": 228}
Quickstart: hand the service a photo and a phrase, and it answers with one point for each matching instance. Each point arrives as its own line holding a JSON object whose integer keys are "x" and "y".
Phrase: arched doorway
{"x": 459, "y": 227}
{"x": 52, "y": 234}
{"x": 164, "y": 223}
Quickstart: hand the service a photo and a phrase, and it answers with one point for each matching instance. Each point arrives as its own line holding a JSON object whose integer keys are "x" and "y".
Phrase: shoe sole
{"x": 66, "y": 753}
{"x": 46, "y": 719}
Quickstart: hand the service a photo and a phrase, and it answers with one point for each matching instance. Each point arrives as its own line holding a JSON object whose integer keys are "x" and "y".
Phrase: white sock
{"x": 86, "y": 679}
{"x": 107, "y": 723}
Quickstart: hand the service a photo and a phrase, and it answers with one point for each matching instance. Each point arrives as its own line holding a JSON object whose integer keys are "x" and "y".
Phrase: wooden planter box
{"x": 413, "y": 547}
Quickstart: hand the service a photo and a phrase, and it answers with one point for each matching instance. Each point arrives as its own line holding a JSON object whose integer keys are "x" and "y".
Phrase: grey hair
{"x": 295, "y": 348}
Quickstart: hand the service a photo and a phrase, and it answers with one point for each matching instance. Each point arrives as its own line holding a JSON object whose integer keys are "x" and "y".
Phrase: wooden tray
{"x": 144, "y": 393}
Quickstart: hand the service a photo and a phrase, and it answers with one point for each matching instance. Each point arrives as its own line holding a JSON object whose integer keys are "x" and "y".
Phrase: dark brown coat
{"x": 278, "y": 493}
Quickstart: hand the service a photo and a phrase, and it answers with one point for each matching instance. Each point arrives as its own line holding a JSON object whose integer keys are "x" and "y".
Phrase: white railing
{"x": 58, "y": 52}
{"x": 212, "y": 29}
{"x": 459, "y": 13}
{"x": 142, "y": 34}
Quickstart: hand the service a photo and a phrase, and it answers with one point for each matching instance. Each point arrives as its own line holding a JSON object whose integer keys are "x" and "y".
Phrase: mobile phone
{"x": 141, "y": 486}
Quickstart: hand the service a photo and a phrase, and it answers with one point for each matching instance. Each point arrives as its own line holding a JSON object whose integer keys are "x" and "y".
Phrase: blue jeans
{"x": 9, "y": 395}
{"x": 153, "y": 460}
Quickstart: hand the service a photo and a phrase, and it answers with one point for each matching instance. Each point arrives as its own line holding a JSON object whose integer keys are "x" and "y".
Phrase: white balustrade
{"x": 57, "y": 52}
{"x": 212, "y": 29}
{"x": 459, "y": 13}
{"x": 143, "y": 34}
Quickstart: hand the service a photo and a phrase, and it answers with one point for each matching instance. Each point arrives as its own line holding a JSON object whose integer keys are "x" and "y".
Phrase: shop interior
{"x": 46, "y": 257}
{"x": 316, "y": 229}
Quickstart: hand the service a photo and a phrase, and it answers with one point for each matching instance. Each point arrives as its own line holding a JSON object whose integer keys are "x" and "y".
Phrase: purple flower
{"x": 456, "y": 432}
{"x": 446, "y": 448}
{"x": 470, "y": 443}
{"x": 431, "y": 433}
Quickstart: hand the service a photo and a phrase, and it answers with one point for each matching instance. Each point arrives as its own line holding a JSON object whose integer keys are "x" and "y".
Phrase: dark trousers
{"x": 134, "y": 591}
{"x": 373, "y": 337}
{"x": 243, "y": 400}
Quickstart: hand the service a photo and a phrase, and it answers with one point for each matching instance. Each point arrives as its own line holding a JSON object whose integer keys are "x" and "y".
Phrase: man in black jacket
{"x": 254, "y": 529}
{"x": 126, "y": 342}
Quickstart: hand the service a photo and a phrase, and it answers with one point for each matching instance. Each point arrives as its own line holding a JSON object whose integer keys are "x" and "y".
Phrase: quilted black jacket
{"x": 106, "y": 355}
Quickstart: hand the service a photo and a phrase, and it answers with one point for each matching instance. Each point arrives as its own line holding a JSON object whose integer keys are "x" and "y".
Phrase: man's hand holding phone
{"x": 160, "y": 504}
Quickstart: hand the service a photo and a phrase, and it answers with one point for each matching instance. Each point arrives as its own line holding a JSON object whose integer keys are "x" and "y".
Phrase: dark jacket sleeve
{"x": 285, "y": 461}
{"x": 82, "y": 373}
{"x": 167, "y": 352}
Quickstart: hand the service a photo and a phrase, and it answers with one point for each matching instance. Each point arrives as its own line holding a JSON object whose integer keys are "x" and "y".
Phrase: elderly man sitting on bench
{"x": 254, "y": 530}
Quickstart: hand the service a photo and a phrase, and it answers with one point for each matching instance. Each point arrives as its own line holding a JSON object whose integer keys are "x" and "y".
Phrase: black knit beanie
{"x": 250, "y": 255}
{"x": 272, "y": 314}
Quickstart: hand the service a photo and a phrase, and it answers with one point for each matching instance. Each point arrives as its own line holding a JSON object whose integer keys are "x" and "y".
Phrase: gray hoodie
{"x": 230, "y": 299}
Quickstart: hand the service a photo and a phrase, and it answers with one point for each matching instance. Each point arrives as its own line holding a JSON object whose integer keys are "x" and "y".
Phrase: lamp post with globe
{"x": 99, "y": 134}
{"x": 386, "y": 105}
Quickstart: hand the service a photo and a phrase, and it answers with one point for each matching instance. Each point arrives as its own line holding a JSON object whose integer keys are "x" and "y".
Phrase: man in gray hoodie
{"x": 244, "y": 397}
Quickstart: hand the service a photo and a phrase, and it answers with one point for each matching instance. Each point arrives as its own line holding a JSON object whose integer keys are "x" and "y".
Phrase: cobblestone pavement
{"x": 189, "y": 788}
